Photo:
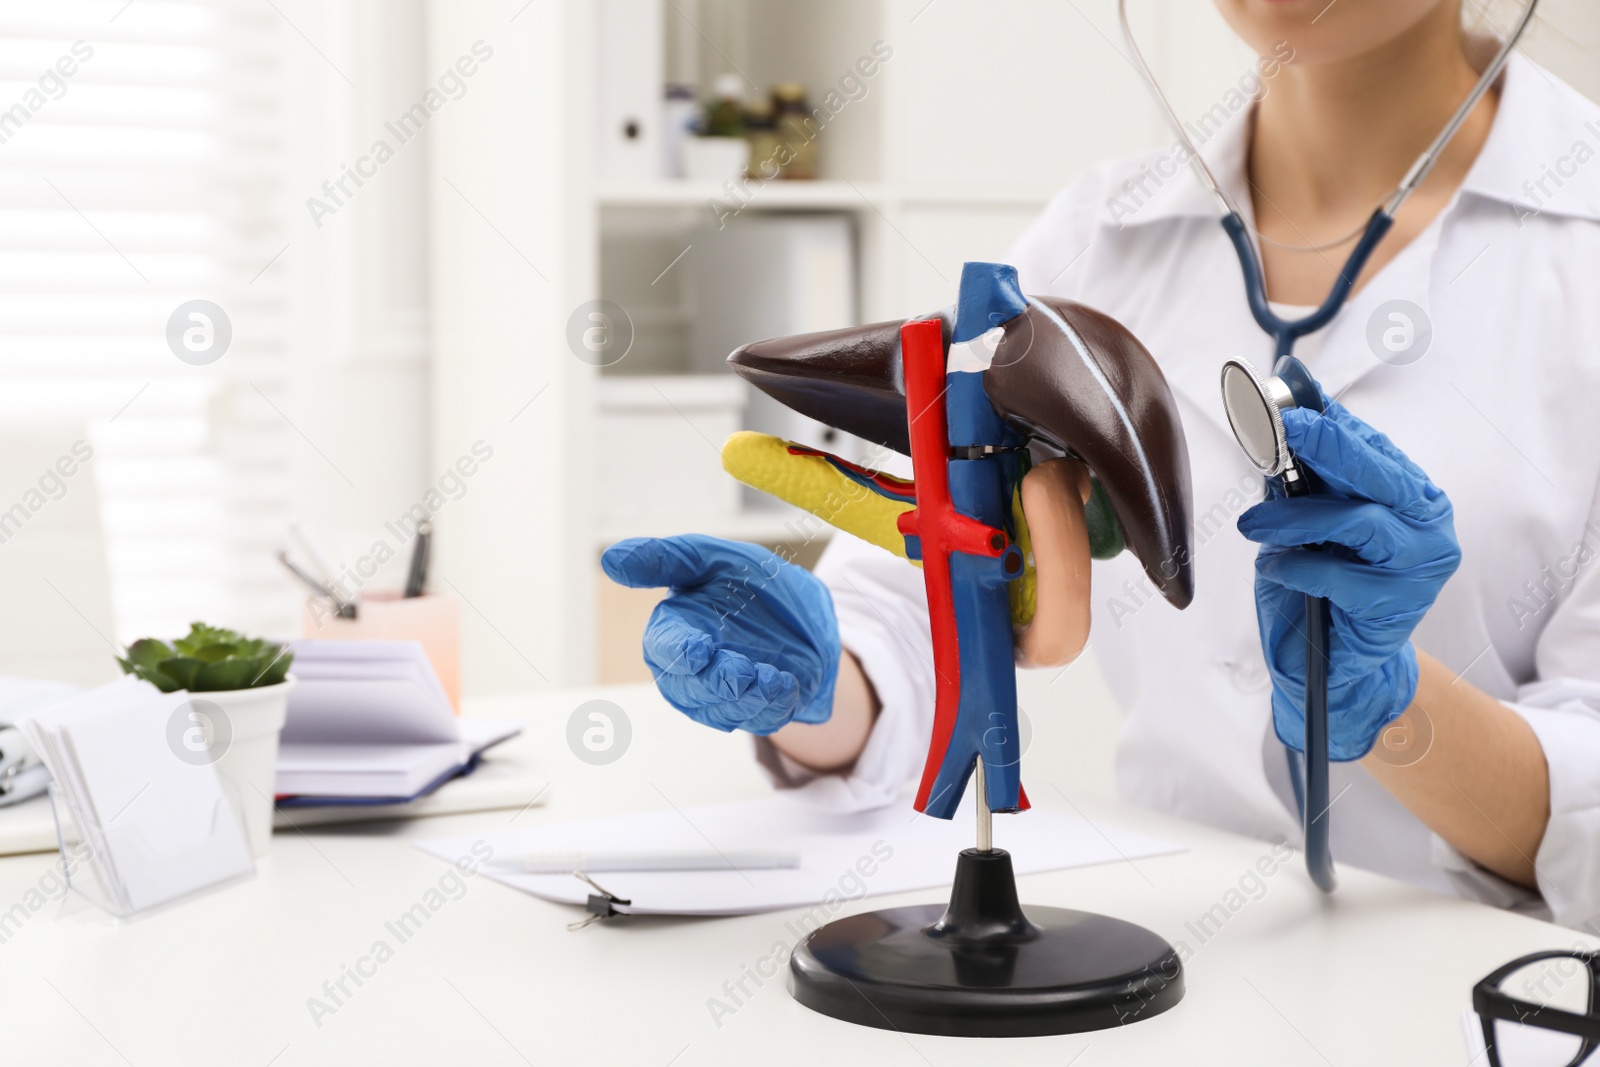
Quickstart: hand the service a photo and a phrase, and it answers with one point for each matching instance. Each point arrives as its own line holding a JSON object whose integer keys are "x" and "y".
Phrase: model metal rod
{"x": 985, "y": 818}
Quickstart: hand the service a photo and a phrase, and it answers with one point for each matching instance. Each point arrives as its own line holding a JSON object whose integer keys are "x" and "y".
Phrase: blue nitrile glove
{"x": 1390, "y": 545}
{"x": 745, "y": 641}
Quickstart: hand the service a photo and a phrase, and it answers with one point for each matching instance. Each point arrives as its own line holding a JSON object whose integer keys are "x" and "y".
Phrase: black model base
{"x": 981, "y": 968}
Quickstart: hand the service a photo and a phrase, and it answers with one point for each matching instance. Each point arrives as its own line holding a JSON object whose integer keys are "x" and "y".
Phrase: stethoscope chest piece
{"x": 1255, "y": 404}
{"x": 1255, "y": 412}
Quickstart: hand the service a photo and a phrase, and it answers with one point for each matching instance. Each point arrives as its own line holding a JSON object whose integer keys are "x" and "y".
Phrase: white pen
{"x": 665, "y": 860}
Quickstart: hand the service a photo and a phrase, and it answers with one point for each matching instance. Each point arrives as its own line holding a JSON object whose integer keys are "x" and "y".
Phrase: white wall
{"x": 359, "y": 404}
{"x": 512, "y": 222}
{"x": 1565, "y": 37}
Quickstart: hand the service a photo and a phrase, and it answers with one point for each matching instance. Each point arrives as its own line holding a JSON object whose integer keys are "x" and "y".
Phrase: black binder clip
{"x": 601, "y": 903}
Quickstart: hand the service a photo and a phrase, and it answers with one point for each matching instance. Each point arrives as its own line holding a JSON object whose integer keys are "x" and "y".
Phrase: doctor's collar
{"x": 1542, "y": 156}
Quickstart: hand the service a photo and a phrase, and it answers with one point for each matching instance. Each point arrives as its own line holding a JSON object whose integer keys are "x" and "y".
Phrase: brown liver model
{"x": 1081, "y": 381}
{"x": 1063, "y": 372}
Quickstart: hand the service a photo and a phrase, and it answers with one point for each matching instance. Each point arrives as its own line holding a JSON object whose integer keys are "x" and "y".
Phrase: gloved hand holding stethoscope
{"x": 1356, "y": 544}
{"x": 1386, "y": 544}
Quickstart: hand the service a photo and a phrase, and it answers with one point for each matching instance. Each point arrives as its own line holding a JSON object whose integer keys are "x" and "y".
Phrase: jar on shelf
{"x": 724, "y": 112}
{"x": 798, "y": 130}
{"x": 761, "y": 130}
{"x": 721, "y": 152}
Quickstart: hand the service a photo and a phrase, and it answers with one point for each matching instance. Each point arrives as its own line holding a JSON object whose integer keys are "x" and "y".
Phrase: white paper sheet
{"x": 133, "y": 779}
{"x": 890, "y": 850}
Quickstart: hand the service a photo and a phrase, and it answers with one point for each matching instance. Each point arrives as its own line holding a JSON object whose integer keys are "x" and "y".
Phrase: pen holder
{"x": 433, "y": 621}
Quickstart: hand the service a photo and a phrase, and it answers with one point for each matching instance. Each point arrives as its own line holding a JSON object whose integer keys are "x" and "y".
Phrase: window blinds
{"x": 142, "y": 167}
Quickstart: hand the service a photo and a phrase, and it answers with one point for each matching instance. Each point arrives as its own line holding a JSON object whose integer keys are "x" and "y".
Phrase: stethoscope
{"x": 1254, "y": 403}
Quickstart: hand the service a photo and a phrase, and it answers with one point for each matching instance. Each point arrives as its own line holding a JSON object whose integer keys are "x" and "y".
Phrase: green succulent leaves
{"x": 207, "y": 659}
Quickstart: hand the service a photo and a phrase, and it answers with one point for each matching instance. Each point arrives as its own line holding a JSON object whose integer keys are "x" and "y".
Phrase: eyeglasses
{"x": 1541, "y": 1010}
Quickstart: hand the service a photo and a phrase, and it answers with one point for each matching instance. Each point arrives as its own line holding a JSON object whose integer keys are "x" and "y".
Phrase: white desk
{"x": 1376, "y": 975}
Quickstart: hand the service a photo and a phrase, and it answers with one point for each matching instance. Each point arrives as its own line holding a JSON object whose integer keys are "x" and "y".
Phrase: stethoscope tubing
{"x": 1314, "y": 816}
{"x": 1285, "y": 332}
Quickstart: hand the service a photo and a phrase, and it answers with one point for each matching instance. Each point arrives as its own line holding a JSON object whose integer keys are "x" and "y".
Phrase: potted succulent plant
{"x": 239, "y": 689}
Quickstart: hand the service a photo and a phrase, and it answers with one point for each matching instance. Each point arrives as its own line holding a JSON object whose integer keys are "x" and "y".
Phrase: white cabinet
{"x": 661, "y": 468}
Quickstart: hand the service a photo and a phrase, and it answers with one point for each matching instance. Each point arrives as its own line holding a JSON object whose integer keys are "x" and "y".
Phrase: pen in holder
{"x": 432, "y": 620}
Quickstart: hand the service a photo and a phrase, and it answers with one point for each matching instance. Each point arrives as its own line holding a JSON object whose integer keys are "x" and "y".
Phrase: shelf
{"x": 762, "y": 196}
{"x": 819, "y": 195}
{"x": 1007, "y": 196}
{"x": 770, "y": 525}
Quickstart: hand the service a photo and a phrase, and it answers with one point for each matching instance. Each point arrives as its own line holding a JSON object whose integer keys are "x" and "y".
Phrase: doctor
{"x": 1472, "y": 340}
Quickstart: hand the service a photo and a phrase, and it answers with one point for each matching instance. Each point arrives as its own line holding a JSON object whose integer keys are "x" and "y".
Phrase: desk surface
{"x": 1378, "y": 974}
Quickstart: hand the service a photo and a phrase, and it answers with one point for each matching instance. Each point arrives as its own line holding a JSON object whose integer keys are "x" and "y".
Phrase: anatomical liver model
{"x": 965, "y": 393}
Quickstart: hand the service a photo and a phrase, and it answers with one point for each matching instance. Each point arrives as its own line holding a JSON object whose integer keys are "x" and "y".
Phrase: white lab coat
{"x": 1502, "y": 410}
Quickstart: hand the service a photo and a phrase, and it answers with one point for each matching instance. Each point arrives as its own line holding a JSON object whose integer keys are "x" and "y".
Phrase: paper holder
{"x": 90, "y": 873}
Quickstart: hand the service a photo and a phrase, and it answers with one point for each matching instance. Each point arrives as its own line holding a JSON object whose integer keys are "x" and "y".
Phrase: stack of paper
{"x": 22, "y": 775}
{"x": 369, "y": 723}
{"x": 842, "y": 857}
{"x": 153, "y": 826}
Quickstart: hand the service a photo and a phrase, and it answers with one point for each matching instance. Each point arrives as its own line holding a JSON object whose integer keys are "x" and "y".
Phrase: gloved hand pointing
{"x": 1389, "y": 547}
{"x": 745, "y": 641}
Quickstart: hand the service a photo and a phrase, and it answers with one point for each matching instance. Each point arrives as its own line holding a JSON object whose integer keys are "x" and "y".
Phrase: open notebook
{"x": 369, "y": 723}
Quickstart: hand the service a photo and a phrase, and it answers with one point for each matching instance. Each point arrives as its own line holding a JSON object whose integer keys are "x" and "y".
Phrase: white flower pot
{"x": 715, "y": 159}
{"x": 242, "y": 738}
